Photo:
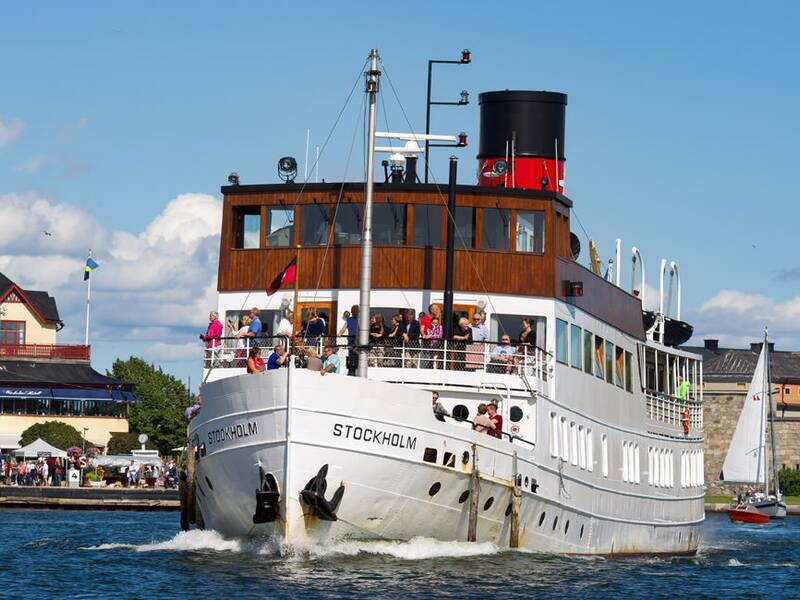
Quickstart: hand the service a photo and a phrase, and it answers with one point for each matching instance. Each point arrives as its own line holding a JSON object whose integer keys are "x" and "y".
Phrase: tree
{"x": 162, "y": 400}
{"x": 56, "y": 433}
{"x": 123, "y": 443}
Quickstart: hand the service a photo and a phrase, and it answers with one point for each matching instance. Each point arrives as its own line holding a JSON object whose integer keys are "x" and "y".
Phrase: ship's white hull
{"x": 373, "y": 436}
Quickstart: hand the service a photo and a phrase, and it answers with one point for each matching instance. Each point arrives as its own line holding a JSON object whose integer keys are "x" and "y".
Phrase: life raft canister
{"x": 685, "y": 420}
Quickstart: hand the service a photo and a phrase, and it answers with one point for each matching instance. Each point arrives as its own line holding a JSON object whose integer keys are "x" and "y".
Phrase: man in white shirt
{"x": 285, "y": 326}
{"x": 503, "y": 356}
{"x": 480, "y": 332}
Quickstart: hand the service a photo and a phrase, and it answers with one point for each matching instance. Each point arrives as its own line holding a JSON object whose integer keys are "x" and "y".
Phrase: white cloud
{"x": 738, "y": 318}
{"x": 62, "y": 164}
{"x": 161, "y": 352}
{"x": 156, "y": 285}
{"x": 9, "y": 131}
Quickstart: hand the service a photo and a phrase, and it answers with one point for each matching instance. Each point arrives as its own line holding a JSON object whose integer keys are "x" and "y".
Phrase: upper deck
{"x": 508, "y": 241}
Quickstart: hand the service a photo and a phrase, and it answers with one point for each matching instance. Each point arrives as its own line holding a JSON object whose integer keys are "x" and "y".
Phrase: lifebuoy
{"x": 685, "y": 420}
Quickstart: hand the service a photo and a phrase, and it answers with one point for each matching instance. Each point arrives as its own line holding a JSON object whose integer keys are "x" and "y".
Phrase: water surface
{"x": 64, "y": 554}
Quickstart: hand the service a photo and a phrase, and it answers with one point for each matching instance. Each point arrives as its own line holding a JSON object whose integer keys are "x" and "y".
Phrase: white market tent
{"x": 37, "y": 448}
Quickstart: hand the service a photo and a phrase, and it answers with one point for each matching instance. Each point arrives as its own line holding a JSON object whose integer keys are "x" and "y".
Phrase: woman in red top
{"x": 255, "y": 363}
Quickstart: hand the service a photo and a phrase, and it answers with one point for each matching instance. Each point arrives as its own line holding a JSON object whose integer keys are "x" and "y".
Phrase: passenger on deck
{"x": 462, "y": 335}
{"x": 331, "y": 363}
{"x": 480, "y": 332}
{"x": 683, "y": 389}
{"x": 240, "y": 340}
{"x": 255, "y": 329}
{"x": 192, "y": 411}
{"x": 255, "y": 364}
{"x": 278, "y": 358}
{"x": 350, "y": 328}
{"x": 482, "y": 421}
{"x": 313, "y": 361}
{"x": 314, "y": 329}
{"x": 527, "y": 335}
{"x": 214, "y": 332}
{"x": 394, "y": 339}
{"x": 438, "y": 409}
{"x": 411, "y": 339}
{"x": 433, "y": 340}
{"x": 502, "y": 356}
{"x": 497, "y": 431}
{"x": 376, "y": 333}
{"x": 285, "y": 329}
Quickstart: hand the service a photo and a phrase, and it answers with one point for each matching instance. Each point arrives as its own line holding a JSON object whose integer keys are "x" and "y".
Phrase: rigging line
{"x": 442, "y": 200}
{"x": 572, "y": 211}
{"x": 332, "y": 227}
{"x": 330, "y": 133}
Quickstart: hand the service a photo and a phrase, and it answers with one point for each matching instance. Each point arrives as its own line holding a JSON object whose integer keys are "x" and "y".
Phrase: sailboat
{"x": 746, "y": 461}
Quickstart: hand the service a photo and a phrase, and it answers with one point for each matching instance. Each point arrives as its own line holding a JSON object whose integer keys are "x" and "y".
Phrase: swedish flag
{"x": 90, "y": 264}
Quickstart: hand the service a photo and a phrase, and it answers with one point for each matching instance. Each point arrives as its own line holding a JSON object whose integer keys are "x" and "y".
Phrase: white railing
{"x": 669, "y": 409}
{"x": 426, "y": 354}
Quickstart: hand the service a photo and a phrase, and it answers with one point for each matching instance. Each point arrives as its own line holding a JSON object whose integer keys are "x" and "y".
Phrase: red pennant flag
{"x": 284, "y": 278}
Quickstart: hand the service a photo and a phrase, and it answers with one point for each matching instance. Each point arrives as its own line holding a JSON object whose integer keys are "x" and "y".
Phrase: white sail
{"x": 746, "y": 458}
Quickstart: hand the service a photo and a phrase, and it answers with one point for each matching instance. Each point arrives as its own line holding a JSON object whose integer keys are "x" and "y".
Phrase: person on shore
{"x": 497, "y": 430}
{"x": 331, "y": 363}
{"x": 278, "y": 358}
{"x": 255, "y": 364}
{"x": 191, "y": 411}
{"x": 439, "y": 411}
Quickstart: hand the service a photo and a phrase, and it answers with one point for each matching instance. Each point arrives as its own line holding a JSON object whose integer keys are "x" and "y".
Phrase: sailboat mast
{"x": 776, "y": 488}
{"x": 762, "y": 442}
{"x": 366, "y": 235}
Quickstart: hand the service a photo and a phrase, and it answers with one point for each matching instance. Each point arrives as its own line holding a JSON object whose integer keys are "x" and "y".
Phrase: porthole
{"x": 429, "y": 455}
{"x": 526, "y": 481}
{"x": 465, "y": 458}
{"x": 508, "y": 510}
{"x": 208, "y": 481}
{"x": 541, "y": 519}
{"x": 534, "y": 485}
{"x": 460, "y": 412}
{"x": 449, "y": 459}
{"x": 434, "y": 489}
{"x": 566, "y": 528}
{"x": 463, "y": 497}
{"x": 555, "y": 523}
{"x": 581, "y": 533}
{"x": 488, "y": 504}
{"x": 515, "y": 414}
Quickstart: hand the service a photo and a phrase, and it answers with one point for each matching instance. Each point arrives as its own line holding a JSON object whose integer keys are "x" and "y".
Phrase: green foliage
{"x": 91, "y": 476}
{"x": 163, "y": 398}
{"x": 57, "y": 433}
{"x": 789, "y": 480}
{"x": 123, "y": 443}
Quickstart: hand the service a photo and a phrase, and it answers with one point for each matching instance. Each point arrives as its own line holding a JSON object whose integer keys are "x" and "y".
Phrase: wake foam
{"x": 735, "y": 563}
{"x": 418, "y": 548}
{"x": 195, "y": 540}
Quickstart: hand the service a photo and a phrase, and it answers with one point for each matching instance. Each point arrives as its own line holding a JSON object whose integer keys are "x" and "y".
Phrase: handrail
{"x": 669, "y": 409}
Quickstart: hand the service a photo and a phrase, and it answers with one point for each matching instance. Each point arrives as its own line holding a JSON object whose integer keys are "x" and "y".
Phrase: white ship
{"x": 602, "y": 435}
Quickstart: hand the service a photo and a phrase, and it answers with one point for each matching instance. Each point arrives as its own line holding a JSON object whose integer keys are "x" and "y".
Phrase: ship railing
{"x": 450, "y": 355}
{"x": 669, "y": 409}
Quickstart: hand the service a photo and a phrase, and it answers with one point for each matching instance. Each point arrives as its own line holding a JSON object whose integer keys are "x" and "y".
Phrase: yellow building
{"x": 41, "y": 380}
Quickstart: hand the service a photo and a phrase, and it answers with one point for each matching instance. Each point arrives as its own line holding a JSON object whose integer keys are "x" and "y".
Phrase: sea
{"x": 121, "y": 555}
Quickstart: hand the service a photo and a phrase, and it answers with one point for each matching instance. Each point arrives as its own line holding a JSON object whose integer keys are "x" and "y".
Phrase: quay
{"x": 63, "y": 498}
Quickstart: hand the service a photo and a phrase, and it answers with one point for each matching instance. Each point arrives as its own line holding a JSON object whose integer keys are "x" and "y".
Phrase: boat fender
{"x": 313, "y": 495}
{"x": 268, "y": 498}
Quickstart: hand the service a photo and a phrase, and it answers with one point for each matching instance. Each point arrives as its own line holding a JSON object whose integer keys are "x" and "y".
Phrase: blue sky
{"x": 682, "y": 131}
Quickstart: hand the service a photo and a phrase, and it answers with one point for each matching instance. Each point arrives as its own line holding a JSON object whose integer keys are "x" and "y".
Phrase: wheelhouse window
{"x": 575, "y": 347}
{"x": 280, "y": 226}
{"x": 495, "y": 229}
{"x": 427, "y": 225}
{"x": 465, "y": 227}
{"x": 12, "y": 333}
{"x": 389, "y": 224}
{"x": 587, "y": 352}
{"x": 314, "y": 220}
{"x": 530, "y": 231}
{"x": 247, "y": 227}
{"x": 562, "y": 343}
{"x": 348, "y": 224}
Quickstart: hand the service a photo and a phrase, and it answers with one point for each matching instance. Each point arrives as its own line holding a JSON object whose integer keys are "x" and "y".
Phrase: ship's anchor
{"x": 314, "y": 496}
{"x": 268, "y": 498}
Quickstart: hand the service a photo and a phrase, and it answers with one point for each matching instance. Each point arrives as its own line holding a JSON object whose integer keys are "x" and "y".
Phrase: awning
{"x": 9, "y": 441}
{"x": 24, "y": 393}
{"x": 39, "y": 448}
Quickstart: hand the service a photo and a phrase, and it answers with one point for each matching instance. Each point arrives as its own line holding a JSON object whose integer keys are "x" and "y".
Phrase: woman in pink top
{"x": 433, "y": 340}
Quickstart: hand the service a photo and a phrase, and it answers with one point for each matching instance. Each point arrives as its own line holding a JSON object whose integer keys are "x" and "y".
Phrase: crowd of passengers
{"x": 410, "y": 340}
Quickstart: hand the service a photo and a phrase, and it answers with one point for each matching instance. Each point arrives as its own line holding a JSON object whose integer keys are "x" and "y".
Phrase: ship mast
{"x": 366, "y": 235}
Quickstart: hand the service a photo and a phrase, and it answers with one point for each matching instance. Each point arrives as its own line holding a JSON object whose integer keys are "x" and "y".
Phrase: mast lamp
{"x": 465, "y": 56}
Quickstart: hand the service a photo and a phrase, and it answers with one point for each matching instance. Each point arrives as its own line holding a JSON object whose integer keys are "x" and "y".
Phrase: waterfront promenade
{"x": 88, "y": 498}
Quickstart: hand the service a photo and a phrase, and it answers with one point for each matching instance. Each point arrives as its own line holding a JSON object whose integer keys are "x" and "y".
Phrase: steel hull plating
{"x": 373, "y": 437}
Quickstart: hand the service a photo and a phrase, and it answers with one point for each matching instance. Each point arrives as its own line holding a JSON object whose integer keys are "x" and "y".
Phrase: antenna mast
{"x": 366, "y": 236}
